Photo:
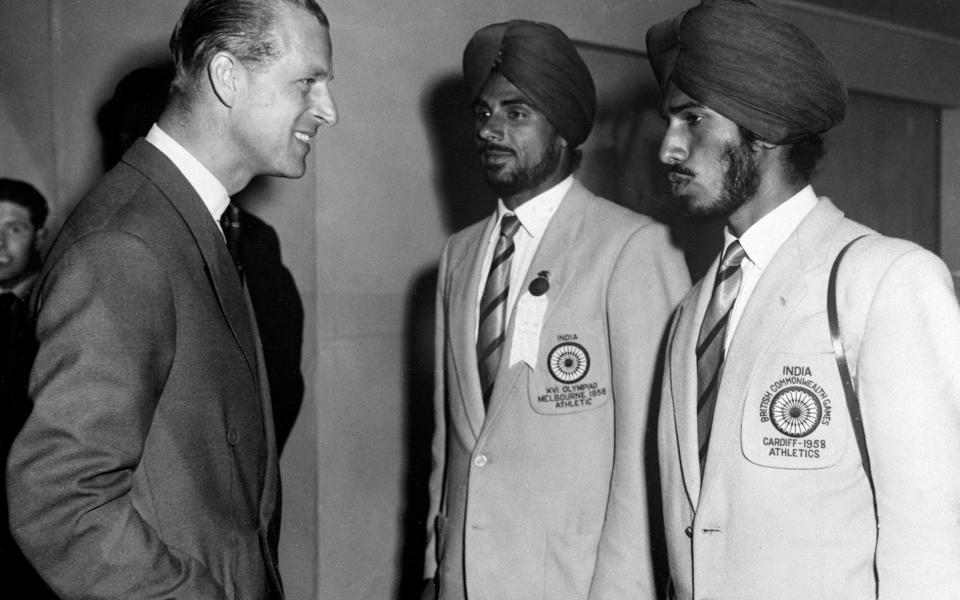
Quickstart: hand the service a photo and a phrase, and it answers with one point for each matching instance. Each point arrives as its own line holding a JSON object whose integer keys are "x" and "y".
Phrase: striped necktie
{"x": 230, "y": 223}
{"x": 493, "y": 307}
{"x": 713, "y": 333}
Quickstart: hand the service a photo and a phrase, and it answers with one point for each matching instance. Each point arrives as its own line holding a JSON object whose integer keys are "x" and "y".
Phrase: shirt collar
{"x": 763, "y": 239}
{"x": 22, "y": 288}
{"x": 207, "y": 186}
{"x": 535, "y": 214}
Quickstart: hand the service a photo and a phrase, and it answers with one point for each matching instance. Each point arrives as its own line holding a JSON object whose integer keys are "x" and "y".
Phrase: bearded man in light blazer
{"x": 148, "y": 467}
{"x": 769, "y": 496}
{"x": 538, "y": 485}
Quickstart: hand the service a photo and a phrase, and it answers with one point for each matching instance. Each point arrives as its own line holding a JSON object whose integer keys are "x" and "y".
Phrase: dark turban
{"x": 755, "y": 69}
{"x": 541, "y": 62}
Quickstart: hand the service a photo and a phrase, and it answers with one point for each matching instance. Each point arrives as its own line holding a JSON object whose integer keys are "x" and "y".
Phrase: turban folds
{"x": 541, "y": 62}
{"x": 757, "y": 70}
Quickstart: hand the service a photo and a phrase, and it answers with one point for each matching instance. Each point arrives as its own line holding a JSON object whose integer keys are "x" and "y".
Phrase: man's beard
{"x": 525, "y": 177}
{"x": 741, "y": 180}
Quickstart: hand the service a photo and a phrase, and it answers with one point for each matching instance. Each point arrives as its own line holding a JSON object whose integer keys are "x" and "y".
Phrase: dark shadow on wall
{"x": 458, "y": 181}
{"x": 278, "y": 308}
{"x": 137, "y": 101}
{"x": 419, "y": 343}
{"x": 457, "y": 177}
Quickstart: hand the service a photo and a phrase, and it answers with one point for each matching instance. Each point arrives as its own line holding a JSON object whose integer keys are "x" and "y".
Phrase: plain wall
{"x": 361, "y": 233}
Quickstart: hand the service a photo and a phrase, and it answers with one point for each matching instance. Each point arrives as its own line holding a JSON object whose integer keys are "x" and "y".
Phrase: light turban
{"x": 757, "y": 70}
{"x": 541, "y": 62}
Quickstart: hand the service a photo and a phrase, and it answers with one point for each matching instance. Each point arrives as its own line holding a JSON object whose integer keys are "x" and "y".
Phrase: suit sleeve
{"x": 106, "y": 329}
{"x": 647, "y": 282}
{"x": 908, "y": 372}
{"x": 438, "y": 447}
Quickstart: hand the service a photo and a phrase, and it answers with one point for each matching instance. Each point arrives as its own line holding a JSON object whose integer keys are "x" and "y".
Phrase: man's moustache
{"x": 679, "y": 170}
{"x": 495, "y": 148}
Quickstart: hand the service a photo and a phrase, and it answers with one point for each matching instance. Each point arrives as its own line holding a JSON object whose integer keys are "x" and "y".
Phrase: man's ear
{"x": 762, "y": 145}
{"x": 224, "y": 71}
{"x": 40, "y": 238}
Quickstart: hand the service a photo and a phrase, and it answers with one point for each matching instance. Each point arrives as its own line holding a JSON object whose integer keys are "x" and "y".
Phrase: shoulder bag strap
{"x": 853, "y": 402}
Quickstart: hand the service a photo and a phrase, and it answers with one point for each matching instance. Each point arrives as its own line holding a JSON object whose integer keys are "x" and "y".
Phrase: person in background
{"x": 23, "y": 216}
{"x": 774, "y": 481}
{"x": 148, "y": 467}
{"x": 550, "y": 315}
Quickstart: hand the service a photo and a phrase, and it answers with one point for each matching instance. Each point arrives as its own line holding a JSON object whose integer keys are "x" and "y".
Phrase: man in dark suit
{"x": 23, "y": 215}
{"x": 148, "y": 467}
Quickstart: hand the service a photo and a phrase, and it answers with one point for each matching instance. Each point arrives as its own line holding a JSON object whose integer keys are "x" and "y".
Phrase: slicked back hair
{"x": 27, "y": 196}
{"x": 244, "y": 28}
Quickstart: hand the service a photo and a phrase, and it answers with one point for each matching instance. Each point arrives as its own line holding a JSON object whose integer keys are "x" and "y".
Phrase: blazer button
{"x": 480, "y": 461}
{"x": 689, "y": 532}
{"x": 233, "y": 436}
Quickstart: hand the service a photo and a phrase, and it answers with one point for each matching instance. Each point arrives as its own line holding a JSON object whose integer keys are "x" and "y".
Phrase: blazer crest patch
{"x": 795, "y": 416}
{"x": 574, "y": 374}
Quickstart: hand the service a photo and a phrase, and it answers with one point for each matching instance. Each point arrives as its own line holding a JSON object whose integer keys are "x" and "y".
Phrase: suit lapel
{"x": 218, "y": 264}
{"x": 683, "y": 381}
{"x": 780, "y": 289}
{"x": 466, "y": 268}
{"x": 554, "y": 254}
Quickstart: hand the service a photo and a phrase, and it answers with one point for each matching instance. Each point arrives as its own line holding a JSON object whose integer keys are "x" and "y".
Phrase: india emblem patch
{"x": 791, "y": 418}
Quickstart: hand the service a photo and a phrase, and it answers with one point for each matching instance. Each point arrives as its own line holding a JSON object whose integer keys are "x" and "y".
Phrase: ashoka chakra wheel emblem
{"x": 568, "y": 363}
{"x": 795, "y": 411}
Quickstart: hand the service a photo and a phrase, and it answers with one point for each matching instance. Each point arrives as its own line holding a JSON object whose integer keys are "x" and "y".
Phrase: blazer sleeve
{"x": 438, "y": 446}
{"x": 908, "y": 376}
{"x": 106, "y": 330}
{"x": 648, "y": 280}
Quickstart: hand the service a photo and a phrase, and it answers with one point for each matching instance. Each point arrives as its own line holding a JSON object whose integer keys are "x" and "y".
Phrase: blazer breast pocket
{"x": 795, "y": 415}
{"x": 573, "y": 369}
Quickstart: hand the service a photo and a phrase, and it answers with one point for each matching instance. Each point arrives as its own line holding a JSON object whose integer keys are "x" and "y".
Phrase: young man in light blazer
{"x": 546, "y": 348}
{"x": 766, "y": 491}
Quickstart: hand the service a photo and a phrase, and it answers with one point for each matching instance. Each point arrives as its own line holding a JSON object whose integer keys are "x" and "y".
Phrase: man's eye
{"x": 692, "y": 119}
{"x": 516, "y": 114}
{"x": 17, "y": 229}
{"x": 306, "y": 83}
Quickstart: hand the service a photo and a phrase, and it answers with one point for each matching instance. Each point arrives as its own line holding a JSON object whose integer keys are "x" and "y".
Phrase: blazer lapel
{"x": 683, "y": 382}
{"x": 219, "y": 266}
{"x": 462, "y": 324}
{"x": 554, "y": 254}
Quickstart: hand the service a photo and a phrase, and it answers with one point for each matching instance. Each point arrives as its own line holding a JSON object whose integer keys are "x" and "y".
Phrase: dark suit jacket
{"x": 148, "y": 467}
{"x": 17, "y": 347}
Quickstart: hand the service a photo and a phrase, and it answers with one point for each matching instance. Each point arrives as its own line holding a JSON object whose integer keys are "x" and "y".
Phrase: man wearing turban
{"x": 799, "y": 409}
{"x": 549, "y": 317}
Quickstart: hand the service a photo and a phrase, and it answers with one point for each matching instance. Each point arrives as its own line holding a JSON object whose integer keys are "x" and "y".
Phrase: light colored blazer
{"x": 148, "y": 467}
{"x": 545, "y": 496}
{"x": 785, "y": 510}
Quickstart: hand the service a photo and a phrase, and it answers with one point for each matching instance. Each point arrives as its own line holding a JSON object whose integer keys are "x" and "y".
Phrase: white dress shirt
{"x": 534, "y": 216}
{"x": 760, "y": 243}
{"x": 207, "y": 186}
